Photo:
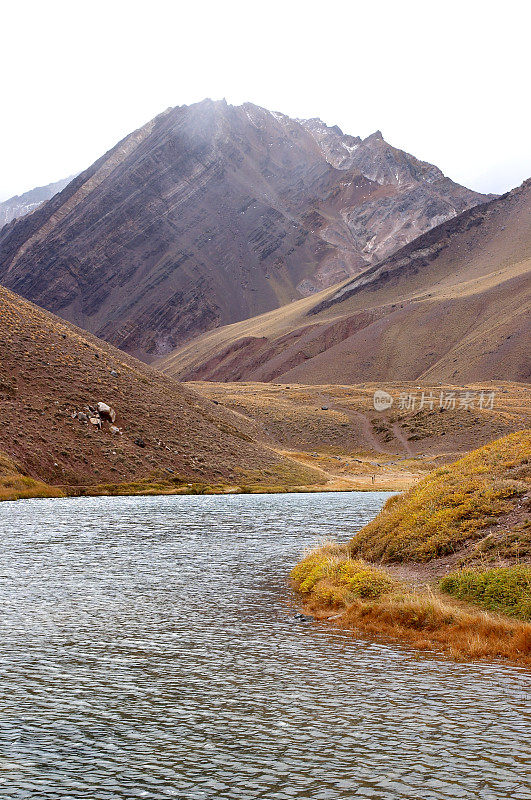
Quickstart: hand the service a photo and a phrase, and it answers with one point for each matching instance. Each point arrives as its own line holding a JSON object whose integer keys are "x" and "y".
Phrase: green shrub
{"x": 505, "y": 589}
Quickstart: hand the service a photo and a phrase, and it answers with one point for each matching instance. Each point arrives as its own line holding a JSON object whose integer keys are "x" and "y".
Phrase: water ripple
{"x": 149, "y": 650}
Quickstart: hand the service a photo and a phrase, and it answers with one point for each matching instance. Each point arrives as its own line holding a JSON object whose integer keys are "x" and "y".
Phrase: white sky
{"x": 447, "y": 81}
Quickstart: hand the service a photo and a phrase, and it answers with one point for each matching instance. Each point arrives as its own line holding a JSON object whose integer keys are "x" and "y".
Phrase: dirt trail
{"x": 368, "y": 431}
{"x": 397, "y": 433}
{"x": 373, "y": 443}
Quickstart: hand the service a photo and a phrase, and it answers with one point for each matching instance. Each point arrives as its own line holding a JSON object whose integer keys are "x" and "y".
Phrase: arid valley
{"x": 265, "y": 402}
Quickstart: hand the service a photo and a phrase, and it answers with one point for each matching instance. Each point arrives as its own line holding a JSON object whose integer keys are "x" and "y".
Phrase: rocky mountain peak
{"x": 376, "y": 136}
{"x": 212, "y": 213}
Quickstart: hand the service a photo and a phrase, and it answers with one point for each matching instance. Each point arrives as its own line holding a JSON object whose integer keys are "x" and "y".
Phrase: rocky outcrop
{"x": 421, "y": 196}
{"x": 106, "y": 412}
{"x": 96, "y": 415}
{"x": 213, "y": 213}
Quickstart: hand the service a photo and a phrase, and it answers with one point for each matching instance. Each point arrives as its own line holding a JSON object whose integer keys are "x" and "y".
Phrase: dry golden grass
{"x": 361, "y": 472}
{"x": 358, "y": 596}
{"x": 452, "y": 507}
{"x": 16, "y": 486}
{"x": 337, "y": 430}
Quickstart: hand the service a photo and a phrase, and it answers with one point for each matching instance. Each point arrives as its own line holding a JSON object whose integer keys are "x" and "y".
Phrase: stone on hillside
{"x": 113, "y": 429}
{"x": 106, "y": 412}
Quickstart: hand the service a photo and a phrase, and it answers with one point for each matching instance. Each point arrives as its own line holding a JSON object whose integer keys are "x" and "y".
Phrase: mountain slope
{"x": 458, "y": 508}
{"x": 20, "y": 205}
{"x": 53, "y": 375}
{"x": 451, "y": 306}
{"x": 421, "y": 196}
{"x": 214, "y": 213}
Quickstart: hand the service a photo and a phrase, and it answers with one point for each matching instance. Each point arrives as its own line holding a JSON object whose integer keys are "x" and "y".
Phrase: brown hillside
{"x": 50, "y": 371}
{"x": 342, "y": 419}
{"x": 451, "y": 306}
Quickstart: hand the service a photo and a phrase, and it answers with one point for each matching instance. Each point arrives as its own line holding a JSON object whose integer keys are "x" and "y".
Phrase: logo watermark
{"x": 448, "y": 401}
{"x": 382, "y": 400}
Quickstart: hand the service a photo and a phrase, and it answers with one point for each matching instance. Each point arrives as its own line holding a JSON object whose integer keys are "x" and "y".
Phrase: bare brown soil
{"x": 452, "y": 306}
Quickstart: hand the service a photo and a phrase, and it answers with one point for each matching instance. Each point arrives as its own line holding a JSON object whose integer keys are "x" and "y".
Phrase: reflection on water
{"x": 148, "y": 650}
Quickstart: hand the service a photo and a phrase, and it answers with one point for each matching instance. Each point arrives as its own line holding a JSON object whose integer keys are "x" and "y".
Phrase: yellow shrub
{"x": 330, "y": 574}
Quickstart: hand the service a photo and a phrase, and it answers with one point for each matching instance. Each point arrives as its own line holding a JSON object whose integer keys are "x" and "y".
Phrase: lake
{"x": 149, "y": 648}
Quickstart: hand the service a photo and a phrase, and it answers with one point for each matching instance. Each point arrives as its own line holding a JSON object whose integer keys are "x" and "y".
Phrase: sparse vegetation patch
{"x": 366, "y": 599}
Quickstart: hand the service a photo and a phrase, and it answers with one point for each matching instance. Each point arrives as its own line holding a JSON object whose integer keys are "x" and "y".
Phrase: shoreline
{"x": 364, "y": 475}
{"x": 368, "y": 599}
{"x": 386, "y": 633}
{"x": 72, "y": 493}
{"x": 22, "y": 487}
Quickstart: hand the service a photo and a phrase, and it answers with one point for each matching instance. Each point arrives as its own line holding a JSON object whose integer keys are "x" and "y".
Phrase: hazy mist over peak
{"x": 462, "y": 107}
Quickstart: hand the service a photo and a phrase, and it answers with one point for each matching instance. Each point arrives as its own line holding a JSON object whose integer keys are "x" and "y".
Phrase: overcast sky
{"x": 447, "y": 81}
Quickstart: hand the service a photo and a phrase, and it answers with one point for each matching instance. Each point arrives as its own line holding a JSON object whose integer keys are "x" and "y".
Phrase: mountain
{"x": 451, "y": 306}
{"x": 20, "y": 205}
{"x": 418, "y": 196}
{"x": 213, "y": 213}
{"x": 52, "y": 377}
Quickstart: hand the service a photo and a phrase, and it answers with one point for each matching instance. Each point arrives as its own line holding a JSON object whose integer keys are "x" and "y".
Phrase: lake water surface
{"x": 149, "y": 649}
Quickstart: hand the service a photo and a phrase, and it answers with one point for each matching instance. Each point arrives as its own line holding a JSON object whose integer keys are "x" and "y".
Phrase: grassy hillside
{"x": 506, "y": 589}
{"x": 473, "y": 503}
{"x": 434, "y": 558}
{"x": 16, "y": 486}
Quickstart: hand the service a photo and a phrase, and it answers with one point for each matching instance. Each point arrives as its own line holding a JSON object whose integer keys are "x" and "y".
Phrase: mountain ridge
{"x": 213, "y": 213}
{"x": 451, "y": 305}
{"x": 25, "y": 203}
